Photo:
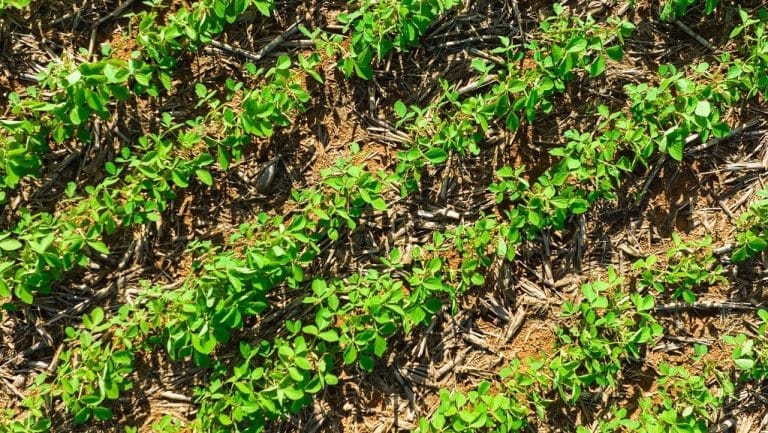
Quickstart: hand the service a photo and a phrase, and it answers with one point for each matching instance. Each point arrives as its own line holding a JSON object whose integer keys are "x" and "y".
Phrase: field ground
{"x": 350, "y": 255}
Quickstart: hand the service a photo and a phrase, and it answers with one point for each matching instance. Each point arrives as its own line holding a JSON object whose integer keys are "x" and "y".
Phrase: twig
{"x": 681, "y": 339}
{"x": 386, "y": 126}
{"x": 694, "y": 35}
{"x": 55, "y": 360}
{"x": 531, "y": 289}
{"x": 56, "y": 171}
{"x": 115, "y": 13}
{"x": 92, "y": 43}
{"x": 406, "y": 388}
{"x": 472, "y": 338}
{"x": 726, "y": 209}
{"x": 469, "y": 40}
{"x": 546, "y": 262}
{"x": 482, "y": 54}
{"x": 423, "y": 344}
{"x": 13, "y": 389}
{"x": 302, "y": 43}
{"x": 581, "y": 233}
{"x": 724, "y": 425}
{"x": 492, "y": 306}
{"x": 704, "y": 305}
{"x": 744, "y": 198}
{"x": 715, "y": 141}
{"x": 725, "y": 249}
{"x": 514, "y": 325}
{"x": 26, "y": 352}
{"x": 650, "y": 179}
{"x": 518, "y": 18}
{"x": 265, "y": 50}
{"x": 442, "y": 371}
{"x": 744, "y": 166}
{"x": 471, "y": 87}
{"x": 170, "y": 395}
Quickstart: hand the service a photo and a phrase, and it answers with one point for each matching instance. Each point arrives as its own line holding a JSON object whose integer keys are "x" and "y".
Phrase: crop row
{"x": 675, "y": 110}
{"x": 198, "y": 317}
{"x": 522, "y": 86}
{"x": 311, "y": 326}
{"x": 141, "y": 182}
{"x": 69, "y": 94}
{"x": 684, "y": 401}
{"x": 663, "y": 118}
{"x": 33, "y": 261}
{"x": 102, "y": 359}
{"x": 547, "y": 204}
{"x": 375, "y": 29}
{"x": 49, "y": 247}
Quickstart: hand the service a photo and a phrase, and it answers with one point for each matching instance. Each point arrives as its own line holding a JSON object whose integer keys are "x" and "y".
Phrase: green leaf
{"x": 82, "y": 415}
{"x": 740, "y": 254}
{"x": 379, "y": 346}
{"x": 763, "y": 315}
{"x": 220, "y": 8}
{"x": 477, "y": 279}
{"x": 615, "y": 52}
{"x": 330, "y": 336}
{"x": 438, "y": 421}
{"x": 295, "y": 374}
{"x": 113, "y": 74}
{"x": 97, "y": 315}
{"x": 10, "y": 245}
{"x": 178, "y": 180}
{"x": 512, "y": 122}
{"x": 577, "y": 46}
{"x": 293, "y": 393}
{"x": 744, "y": 363}
{"x": 331, "y": 379}
{"x": 535, "y": 219}
{"x": 703, "y": 109}
{"x": 689, "y": 297}
{"x": 283, "y": 62}
{"x": 204, "y": 176}
{"x": 74, "y": 77}
{"x": 645, "y": 303}
{"x": 350, "y": 354}
{"x": 436, "y": 155}
{"x": 102, "y": 413}
{"x": 400, "y": 109}
{"x": 379, "y": 204}
{"x": 597, "y": 67}
{"x": 264, "y": 6}
{"x": 675, "y": 150}
{"x": 204, "y": 343}
{"x": 467, "y": 416}
{"x": 757, "y": 244}
{"x": 366, "y": 363}
{"x": 224, "y": 419}
{"x": 74, "y": 116}
{"x": 200, "y": 90}
{"x": 98, "y": 246}
{"x": 94, "y": 101}
{"x": 302, "y": 363}
{"x": 22, "y": 293}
